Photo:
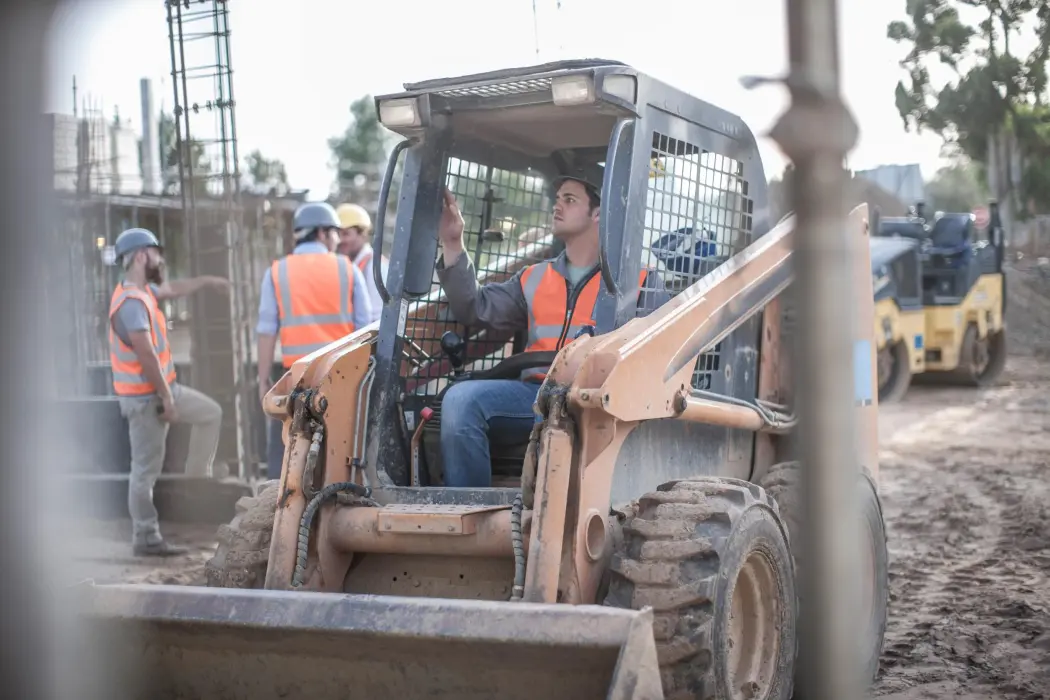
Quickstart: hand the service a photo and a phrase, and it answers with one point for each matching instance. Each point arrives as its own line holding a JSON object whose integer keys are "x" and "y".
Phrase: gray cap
{"x": 588, "y": 184}
{"x": 314, "y": 215}
{"x": 132, "y": 239}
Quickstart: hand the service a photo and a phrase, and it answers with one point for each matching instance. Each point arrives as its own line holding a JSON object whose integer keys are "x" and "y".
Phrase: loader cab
{"x": 682, "y": 191}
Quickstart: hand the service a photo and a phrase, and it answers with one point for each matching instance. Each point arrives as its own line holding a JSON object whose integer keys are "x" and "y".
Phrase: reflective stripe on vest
{"x": 547, "y": 296}
{"x": 314, "y": 302}
{"x": 128, "y": 377}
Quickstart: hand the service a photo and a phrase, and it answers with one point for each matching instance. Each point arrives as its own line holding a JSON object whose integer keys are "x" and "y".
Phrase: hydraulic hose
{"x": 327, "y": 493}
{"x": 517, "y": 541}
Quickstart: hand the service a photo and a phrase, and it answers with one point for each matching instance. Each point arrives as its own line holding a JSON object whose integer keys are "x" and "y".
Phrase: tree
{"x": 364, "y": 145}
{"x": 957, "y": 188}
{"x": 169, "y": 158}
{"x": 266, "y": 173}
{"x": 166, "y": 146}
{"x": 360, "y": 156}
{"x": 995, "y": 109}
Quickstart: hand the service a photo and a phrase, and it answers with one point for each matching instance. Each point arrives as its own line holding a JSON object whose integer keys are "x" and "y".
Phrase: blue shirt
{"x": 132, "y": 316}
{"x": 269, "y": 318}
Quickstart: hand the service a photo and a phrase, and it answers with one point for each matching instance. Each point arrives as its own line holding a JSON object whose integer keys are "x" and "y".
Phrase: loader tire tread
{"x": 784, "y": 484}
{"x": 677, "y": 543}
{"x": 244, "y": 544}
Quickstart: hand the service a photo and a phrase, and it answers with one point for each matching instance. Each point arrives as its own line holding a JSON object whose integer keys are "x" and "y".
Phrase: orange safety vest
{"x": 315, "y": 302}
{"x": 362, "y": 262}
{"x": 554, "y": 317}
{"x": 128, "y": 376}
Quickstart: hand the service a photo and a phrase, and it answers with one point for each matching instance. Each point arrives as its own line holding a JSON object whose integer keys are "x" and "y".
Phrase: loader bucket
{"x": 192, "y": 642}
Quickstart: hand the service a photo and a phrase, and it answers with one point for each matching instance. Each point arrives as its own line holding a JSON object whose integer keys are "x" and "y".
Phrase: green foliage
{"x": 266, "y": 172}
{"x": 957, "y": 188}
{"x": 193, "y": 154}
{"x": 1032, "y": 123}
{"x": 364, "y": 145}
{"x": 991, "y": 87}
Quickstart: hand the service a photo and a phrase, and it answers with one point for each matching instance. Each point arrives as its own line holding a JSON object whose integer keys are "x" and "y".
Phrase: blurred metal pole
{"x": 817, "y": 133}
{"x": 34, "y": 623}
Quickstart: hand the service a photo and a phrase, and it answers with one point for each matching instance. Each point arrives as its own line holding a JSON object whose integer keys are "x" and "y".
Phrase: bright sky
{"x": 296, "y": 71}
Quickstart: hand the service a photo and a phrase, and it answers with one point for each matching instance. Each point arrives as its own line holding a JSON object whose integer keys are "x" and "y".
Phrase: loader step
{"x": 432, "y": 519}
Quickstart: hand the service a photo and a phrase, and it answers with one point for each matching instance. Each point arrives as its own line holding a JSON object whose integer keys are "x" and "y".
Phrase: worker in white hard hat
{"x": 309, "y": 299}
{"x": 355, "y": 231}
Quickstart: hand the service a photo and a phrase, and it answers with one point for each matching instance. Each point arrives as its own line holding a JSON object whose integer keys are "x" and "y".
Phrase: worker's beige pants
{"x": 148, "y": 434}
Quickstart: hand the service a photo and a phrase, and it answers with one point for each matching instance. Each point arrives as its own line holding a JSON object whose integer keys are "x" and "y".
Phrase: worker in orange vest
{"x": 145, "y": 384}
{"x": 553, "y": 300}
{"x": 309, "y": 299}
{"x": 355, "y": 230}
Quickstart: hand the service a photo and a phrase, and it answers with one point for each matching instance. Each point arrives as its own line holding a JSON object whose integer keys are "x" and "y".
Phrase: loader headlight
{"x": 623, "y": 86}
{"x": 572, "y": 90}
{"x": 399, "y": 113}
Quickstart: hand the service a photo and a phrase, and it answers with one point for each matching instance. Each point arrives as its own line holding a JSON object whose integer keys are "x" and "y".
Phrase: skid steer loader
{"x": 640, "y": 544}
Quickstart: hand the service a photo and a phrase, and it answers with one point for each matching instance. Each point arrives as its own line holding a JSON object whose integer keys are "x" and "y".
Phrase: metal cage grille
{"x": 506, "y": 218}
{"x": 698, "y": 215}
{"x": 515, "y": 87}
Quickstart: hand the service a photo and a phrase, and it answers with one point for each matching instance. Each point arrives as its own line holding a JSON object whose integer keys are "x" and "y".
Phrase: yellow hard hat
{"x": 353, "y": 215}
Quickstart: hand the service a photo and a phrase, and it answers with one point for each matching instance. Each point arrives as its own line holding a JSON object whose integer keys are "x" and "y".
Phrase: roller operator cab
{"x": 642, "y": 541}
{"x": 940, "y": 297}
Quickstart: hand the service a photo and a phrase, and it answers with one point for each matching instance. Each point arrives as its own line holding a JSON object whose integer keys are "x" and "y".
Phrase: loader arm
{"x": 617, "y": 372}
{"x": 599, "y": 389}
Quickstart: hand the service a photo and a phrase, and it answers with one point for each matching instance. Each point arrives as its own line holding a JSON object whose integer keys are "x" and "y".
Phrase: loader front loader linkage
{"x": 640, "y": 544}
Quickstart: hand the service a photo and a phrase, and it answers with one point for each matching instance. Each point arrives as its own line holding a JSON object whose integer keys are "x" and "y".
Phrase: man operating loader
{"x": 144, "y": 380}
{"x": 541, "y": 299}
{"x": 312, "y": 297}
{"x": 355, "y": 229}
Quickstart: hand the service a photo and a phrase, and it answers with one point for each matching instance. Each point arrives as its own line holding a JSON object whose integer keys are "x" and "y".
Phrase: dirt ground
{"x": 966, "y": 490}
{"x": 104, "y": 554}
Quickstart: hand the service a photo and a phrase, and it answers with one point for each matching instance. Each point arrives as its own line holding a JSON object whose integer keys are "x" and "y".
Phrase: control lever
{"x": 589, "y": 330}
{"x": 455, "y": 347}
{"x": 425, "y": 415}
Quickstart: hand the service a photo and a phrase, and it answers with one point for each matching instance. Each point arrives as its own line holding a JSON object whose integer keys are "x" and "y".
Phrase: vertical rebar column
{"x": 817, "y": 132}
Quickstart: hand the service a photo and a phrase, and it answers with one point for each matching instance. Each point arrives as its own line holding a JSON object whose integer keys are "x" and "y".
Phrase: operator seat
{"x": 949, "y": 267}
{"x": 951, "y": 238}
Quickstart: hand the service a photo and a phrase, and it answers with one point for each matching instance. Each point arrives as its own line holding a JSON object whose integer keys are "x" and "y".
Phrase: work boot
{"x": 158, "y": 549}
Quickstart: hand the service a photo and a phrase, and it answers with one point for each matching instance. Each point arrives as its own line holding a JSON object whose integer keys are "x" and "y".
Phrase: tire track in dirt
{"x": 968, "y": 515}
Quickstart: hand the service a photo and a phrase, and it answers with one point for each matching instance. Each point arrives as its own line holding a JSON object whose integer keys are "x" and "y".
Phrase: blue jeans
{"x": 475, "y": 412}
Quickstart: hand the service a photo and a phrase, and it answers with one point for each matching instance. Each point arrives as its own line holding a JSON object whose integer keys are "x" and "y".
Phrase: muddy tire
{"x": 981, "y": 361}
{"x": 894, "y": 372}
{"x": 711, "y": 557}
{"x": 783, "y": 483}
{"x": 244, "y": 544}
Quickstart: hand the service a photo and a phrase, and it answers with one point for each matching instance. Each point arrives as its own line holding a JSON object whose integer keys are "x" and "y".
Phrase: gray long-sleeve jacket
{"x": 503, "y": 306}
